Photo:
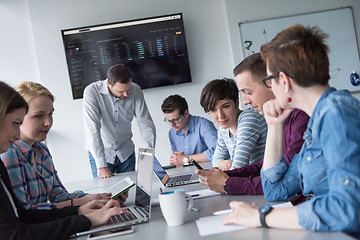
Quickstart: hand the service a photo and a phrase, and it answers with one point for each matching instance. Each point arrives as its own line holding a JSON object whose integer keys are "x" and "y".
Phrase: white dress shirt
{"x": 107, "y": 121}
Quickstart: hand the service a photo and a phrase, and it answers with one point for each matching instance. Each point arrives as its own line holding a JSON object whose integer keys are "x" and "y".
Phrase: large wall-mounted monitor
{"x": 154, "y": 49}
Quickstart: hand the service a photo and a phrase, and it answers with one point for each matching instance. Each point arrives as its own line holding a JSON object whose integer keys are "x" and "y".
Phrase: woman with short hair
{"x": 242, "y": 134}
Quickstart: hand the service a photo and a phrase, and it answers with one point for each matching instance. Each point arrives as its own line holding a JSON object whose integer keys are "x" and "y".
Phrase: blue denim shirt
{"x": 200, "y": 137}
{"x": 327, "y": 167}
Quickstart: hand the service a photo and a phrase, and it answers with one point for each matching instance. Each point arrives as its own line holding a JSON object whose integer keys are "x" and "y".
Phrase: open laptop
{"x": 172, "y": 181}
{"x": 142, "y": 208}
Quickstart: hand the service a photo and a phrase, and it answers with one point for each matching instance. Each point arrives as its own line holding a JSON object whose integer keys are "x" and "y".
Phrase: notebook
{"x": 142, "y": 208}
{"x": 172, "y": 181}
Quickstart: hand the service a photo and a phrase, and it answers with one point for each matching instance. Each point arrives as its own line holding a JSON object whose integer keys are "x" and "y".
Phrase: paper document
{"x": 194, "y": 194}
{"x": 213, "y": 224}
{"x": 202, "y": 193}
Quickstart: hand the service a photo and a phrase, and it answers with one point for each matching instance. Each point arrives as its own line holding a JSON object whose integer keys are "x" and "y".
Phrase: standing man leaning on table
{"x": 191, "y": 137}
{"x": 247, "y": 180}
{"x": 109, "y": 108}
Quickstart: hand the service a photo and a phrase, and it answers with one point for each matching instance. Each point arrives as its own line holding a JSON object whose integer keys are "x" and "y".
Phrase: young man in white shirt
{"x": 109, "y": 107}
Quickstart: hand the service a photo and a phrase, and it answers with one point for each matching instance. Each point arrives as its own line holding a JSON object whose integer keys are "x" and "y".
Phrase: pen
{"x": 226, "y": 211}
{"x": 195, "y": 195}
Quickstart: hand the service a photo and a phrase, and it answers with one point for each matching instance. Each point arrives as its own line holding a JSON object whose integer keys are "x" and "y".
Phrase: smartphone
{"x": 196, "y": 164}
{"x": 111, "y": 233}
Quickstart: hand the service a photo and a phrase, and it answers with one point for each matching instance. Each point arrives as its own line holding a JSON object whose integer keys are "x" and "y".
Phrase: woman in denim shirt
{"x": 327, "y": 169}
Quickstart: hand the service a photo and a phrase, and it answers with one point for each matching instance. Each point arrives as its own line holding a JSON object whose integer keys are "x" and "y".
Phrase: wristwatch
{"x": 186, "y": 160}
{"x": 225, "y": 189}
{"x": 264, "y": 210}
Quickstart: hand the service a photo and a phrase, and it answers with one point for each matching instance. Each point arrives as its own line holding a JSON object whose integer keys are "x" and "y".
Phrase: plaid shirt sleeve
{"x": 57, "y": 192}
{"x": 36, "y": 189}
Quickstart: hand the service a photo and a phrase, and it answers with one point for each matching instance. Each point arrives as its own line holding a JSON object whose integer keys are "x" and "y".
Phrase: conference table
{"x": 157, "y": 228}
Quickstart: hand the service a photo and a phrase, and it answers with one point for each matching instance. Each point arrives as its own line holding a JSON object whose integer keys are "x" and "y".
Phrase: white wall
{"x": 31, "y": 49}
{"x": 17, "y": 52}
{"x": 209, "y": 53}
{"x": 242, "y": 11}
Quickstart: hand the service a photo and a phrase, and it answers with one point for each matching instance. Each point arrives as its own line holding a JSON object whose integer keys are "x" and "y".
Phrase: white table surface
{"x": 157, "y": 228}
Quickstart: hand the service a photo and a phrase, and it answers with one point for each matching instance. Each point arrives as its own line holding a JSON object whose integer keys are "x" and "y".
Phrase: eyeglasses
{"x": 174, "y": 121}
{"x": 267, "y": 80}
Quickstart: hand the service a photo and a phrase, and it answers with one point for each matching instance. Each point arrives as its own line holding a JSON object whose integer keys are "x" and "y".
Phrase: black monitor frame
{"x": 154, "y": 49}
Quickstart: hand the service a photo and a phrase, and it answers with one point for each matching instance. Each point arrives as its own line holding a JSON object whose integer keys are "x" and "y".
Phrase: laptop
{"x": 172, "y": 181}
{"x": 142, "y": 208}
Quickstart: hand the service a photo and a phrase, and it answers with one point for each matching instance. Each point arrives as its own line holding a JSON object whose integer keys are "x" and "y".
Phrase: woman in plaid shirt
{"x": 29, "y": 162}
{"x": 18, "y": 223}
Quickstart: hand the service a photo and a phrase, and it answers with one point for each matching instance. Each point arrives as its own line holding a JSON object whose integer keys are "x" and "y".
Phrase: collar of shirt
{"x": 104, "y": 88}
{"x": 27, "y": 152}
{"x": 105, "y": 91}
{"x": 24, "y": 148}
{"x": 318, "y": 106}
{"x": 191, "y": 127}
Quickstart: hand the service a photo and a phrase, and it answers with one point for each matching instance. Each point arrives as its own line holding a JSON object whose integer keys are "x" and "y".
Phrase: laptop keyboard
{"x": 123, "y": 217}
{"x": 180, "y": 178}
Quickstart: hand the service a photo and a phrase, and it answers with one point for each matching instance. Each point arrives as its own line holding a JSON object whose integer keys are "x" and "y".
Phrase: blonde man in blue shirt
{"x": 109, "y": 107}
{"x": 191, "y": 137}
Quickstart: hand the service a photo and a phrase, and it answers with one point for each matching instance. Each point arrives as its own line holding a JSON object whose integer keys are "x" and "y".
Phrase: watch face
{"x": 264, "y": 208}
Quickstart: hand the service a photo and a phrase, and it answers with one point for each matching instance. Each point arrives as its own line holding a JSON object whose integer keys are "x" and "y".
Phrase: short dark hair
{"x": 174, "y": 102}
{"x": 10, "y": 100}
{"x": 300, "y": 51}
{"x": 218, "y": 89}
{"x": 118, "y": 73}
{"x": 254, "y": 64}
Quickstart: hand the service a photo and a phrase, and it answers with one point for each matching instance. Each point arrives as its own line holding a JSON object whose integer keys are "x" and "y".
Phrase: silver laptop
{"x": 172, "y": 181}
{"x": 142, "y": 208}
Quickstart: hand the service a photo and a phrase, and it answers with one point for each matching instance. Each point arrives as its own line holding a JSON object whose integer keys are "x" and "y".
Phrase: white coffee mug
{"x": 173, "y": 206}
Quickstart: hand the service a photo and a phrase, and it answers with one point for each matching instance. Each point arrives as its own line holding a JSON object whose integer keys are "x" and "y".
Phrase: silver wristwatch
{"x": 186, "y": 160}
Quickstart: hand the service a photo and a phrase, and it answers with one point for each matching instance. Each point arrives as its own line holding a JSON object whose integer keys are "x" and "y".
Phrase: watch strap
{"x": 263, "y": 215}
{"x": 225, "y": 188}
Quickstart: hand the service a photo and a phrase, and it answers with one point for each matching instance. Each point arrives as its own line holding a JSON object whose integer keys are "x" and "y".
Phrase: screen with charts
{"x": 154, "y": 49}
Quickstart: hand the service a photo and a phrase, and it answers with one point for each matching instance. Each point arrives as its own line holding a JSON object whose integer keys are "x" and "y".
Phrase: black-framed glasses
{"x": 174, "y": 121}
{"x": 267, "y": 80}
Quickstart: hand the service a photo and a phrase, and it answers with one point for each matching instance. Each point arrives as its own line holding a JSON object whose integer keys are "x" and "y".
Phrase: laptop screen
{"x": 144, "y": 177}
{"x": 160, "y": 171}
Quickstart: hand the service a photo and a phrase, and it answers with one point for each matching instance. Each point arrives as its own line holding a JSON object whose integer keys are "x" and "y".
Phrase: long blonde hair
{"x": 29, "y": 90}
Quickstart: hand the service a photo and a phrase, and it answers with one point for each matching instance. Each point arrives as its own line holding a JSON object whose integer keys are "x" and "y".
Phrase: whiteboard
{"x": 337, "y": 23}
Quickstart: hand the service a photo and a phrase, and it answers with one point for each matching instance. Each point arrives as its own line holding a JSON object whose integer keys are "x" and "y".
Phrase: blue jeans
{"x": 117, "y": 167}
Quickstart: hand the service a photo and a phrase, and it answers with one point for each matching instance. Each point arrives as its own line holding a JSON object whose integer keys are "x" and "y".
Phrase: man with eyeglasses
{"x": 109, "y": 107}
{"x": 191, "y": 137}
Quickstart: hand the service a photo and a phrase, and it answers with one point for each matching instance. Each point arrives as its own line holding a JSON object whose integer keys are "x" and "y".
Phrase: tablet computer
{"x": 120, "y": 187}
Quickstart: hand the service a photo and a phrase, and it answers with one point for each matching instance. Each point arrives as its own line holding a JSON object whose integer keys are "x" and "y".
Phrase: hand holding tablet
{"x": 120, "y": 187}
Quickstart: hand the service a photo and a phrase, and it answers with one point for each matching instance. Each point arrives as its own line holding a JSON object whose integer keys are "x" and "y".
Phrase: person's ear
{"x": 285, "y": 80}
{"x": 186, "y": 113}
